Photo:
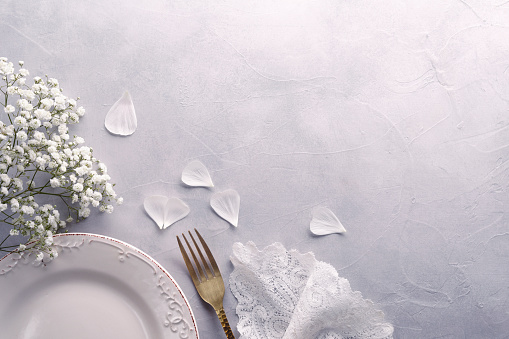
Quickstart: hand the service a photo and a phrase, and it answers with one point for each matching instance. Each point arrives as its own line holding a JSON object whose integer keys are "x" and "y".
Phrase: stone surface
{"x": 392, "y": 114}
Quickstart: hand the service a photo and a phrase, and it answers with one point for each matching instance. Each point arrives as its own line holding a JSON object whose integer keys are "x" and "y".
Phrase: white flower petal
{"x": 175, "y": 210}
{"x": 155, "y": 207}
{"x": 196, "y": 174}
{"x": 227, "y": 204}
{"x": 325, "y": 222}
{"x": 121, "y": 118}
{"x": 165, "y": 211}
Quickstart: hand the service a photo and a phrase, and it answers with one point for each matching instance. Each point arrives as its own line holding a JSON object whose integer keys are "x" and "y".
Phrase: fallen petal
{"x": 227, "y": 204}
{"x": 325, "y": 222}
{"x": 175, "y": 210}
{"x": 165, "y": 211}
{"x": 155, "y": 207}
{"x": 196, "y": 174}
{"x": 121, "y": 118}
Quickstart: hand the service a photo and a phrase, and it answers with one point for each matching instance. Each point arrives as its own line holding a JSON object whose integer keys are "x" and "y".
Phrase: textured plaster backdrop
{"x": 394, "y": 114}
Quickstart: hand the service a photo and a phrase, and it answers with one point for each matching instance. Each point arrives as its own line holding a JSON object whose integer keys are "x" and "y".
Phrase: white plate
{"x": 98, "y": 287}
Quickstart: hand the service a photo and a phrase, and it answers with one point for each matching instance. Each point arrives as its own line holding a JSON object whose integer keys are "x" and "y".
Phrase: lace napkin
{"x": 289, "y": 295}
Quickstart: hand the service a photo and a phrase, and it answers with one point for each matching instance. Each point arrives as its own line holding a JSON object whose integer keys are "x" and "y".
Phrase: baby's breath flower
{"x": 23, "y": 72}
{"x": 19, "y": 121}
{"x": 74, "y": 118}
{"x": 38, "y": 158}
{"x": 25, "y": 104}
{"x": 27, "y": 210}
{"x": 84, "y": 212}
{"x": 14, "y": 205}
{"x": 6, "y": 180}
{"x": 6, "y": 67}
{"x": 102, "y": 167}
{"x": 18, "y": 183}
{"x": 42, "y": 114}
{"x": 54, "y": 182}
{"x": 34, "y": 123}
{"x": 53, "y": 82}
{"x": 22, "y": 135}
{"x": 78, "y": 140}
{"x": 9, "y": 109}
{"x": 77, "y": 187}
{"x": 47, "y": 103}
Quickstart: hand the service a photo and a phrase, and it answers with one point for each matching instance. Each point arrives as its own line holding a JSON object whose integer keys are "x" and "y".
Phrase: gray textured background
{"x": 394, "y": 114}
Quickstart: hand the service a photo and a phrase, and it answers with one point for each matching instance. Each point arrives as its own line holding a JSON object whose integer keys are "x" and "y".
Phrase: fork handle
{"x": 224, "y": 322}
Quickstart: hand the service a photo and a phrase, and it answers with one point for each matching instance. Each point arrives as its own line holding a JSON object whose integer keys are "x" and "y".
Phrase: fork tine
{"x": 209, "y": 254}
{"x": 211, "y": 290}
{"x": 207, "y": 269}
{"x": 190, "y": 267}
{"x": 201, "y": 274}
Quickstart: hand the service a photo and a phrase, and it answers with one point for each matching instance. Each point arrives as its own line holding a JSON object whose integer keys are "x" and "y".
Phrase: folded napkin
{"x": 289, "y": 295}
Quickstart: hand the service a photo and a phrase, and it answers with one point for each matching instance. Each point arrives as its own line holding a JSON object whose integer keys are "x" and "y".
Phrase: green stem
{"x": 7, "y": 237}
{"x": 8, "y": 216}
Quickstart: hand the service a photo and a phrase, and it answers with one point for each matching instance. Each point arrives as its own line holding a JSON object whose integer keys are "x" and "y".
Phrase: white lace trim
{"x": 289, "y": 295}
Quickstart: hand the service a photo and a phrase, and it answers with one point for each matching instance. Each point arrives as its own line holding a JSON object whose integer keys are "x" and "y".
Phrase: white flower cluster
{"x": 38, "y": 158}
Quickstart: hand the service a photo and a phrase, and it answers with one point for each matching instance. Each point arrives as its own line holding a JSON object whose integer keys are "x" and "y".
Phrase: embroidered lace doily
{"x": 289, "y": 295}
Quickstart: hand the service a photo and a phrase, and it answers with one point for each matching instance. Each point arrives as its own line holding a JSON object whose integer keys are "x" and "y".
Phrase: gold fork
{"x": 209, "y": 284}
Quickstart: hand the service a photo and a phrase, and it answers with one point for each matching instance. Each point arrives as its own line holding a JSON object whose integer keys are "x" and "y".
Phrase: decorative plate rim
{"x": 133, "y": 248}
